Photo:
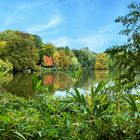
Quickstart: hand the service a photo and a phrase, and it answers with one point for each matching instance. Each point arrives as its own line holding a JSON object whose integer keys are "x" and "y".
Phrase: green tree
{"x": 127, "y": 56}
{"x": 48, "y": 49}
{"x": 19, "y": 49}
{"x": 38, "y": 41}
{"x": 5, "y": 67}
{"x": 86, "y": 58}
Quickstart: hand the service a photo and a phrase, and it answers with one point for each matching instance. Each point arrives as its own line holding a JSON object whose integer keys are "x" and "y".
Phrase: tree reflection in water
{"x": 57, "y": 81}
{"x": 101, "y": 75}
{"x": 21, "y": 83}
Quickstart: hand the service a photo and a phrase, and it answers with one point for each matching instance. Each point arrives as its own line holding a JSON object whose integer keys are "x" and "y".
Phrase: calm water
{"x": 57, "y": 83}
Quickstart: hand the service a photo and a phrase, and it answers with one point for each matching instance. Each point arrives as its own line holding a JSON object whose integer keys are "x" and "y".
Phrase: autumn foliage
{"x": 47, "y": 61}
{"x": 48, "y": 79}
{"x": 102, "y": 61}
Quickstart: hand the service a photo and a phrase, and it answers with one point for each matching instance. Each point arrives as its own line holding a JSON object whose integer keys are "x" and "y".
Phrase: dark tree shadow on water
{"x": 20, "y": 85}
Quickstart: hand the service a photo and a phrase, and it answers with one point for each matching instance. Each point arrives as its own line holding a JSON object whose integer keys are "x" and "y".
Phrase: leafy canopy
{"x": 19, "y": 48}
{"x": 127, "y": 56}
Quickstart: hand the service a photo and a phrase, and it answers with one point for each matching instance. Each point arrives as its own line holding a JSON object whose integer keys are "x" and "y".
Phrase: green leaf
{"x": 20, "y": 135}
{"x": 100, "y": 86}
{"x": 5, "y": 118}
{"x": 131, "y": 102}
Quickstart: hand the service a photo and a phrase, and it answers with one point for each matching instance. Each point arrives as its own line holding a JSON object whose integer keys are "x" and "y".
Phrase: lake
{"x": 57, "y": 83}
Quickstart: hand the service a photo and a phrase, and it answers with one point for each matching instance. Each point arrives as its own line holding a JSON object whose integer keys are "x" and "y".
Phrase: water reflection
{"x": 21, "y": 85}
{"x": 56, "y": 82}
{"x": 88, "y": 78}
{"x": 101, "y": 75}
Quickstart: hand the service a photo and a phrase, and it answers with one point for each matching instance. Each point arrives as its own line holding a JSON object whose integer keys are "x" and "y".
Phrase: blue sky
{"x": 73, "y": 23}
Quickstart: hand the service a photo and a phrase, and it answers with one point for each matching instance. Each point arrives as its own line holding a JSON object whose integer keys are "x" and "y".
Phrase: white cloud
{"x": 98, "y": 40}
{"x": 92, "y": 41}
{"x": 30, "y": 5}
{"x": 55, "y": 21}
{"x": 52, "y": 32}
{"x": 42, "y": 27}
{"x": 60, "y": 42}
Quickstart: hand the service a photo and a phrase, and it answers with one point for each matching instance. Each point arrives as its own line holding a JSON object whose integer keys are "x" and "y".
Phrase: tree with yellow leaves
{"x": 102, "y": 61}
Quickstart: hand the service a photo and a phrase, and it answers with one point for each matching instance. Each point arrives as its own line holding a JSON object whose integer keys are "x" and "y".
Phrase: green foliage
{"x": 5, "y": 67}
{"x": 65, "y": 59}
{"x": 101, "y": 114}
{"x": 86, "y": 58}
{"x": 38, "y": 41}
{"x": 75, "y": 65}
{"x": 36, "y": 83}
{"x": 48, "y": 49}
{"x": 127, "y": 56}
{"x": 20, "y": 49}
{"x": 6, "y": 79}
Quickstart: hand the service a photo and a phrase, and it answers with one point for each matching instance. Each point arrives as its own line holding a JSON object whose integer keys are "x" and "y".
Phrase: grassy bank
{"x": 104, "y": 113}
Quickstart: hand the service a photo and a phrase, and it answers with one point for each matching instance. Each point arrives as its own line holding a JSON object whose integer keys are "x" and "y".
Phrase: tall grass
{"x": 102, "y": 114}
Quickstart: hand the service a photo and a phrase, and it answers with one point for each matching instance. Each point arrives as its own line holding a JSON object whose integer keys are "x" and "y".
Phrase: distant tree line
{"x": 27, "y": 51}
{"x": 90, "y": 60}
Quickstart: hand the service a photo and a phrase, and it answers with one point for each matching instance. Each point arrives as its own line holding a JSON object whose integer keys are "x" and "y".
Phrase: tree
{"x": 62, "y": 60}
{"x": 2, "y": 44}
{"x": 48, "y": 49}
{"x": 19, "y": 49}
{"x": 102, "y": 61}
{"x": 65, "y": 59}
{"x": 86, "y": 58}
{"x": 38, "y": 41}
{"x": 47, "y": 61}
{"x": 127, "y": 56}
{"x": 5, "y": 67}
{"x": 56, "y": 58}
